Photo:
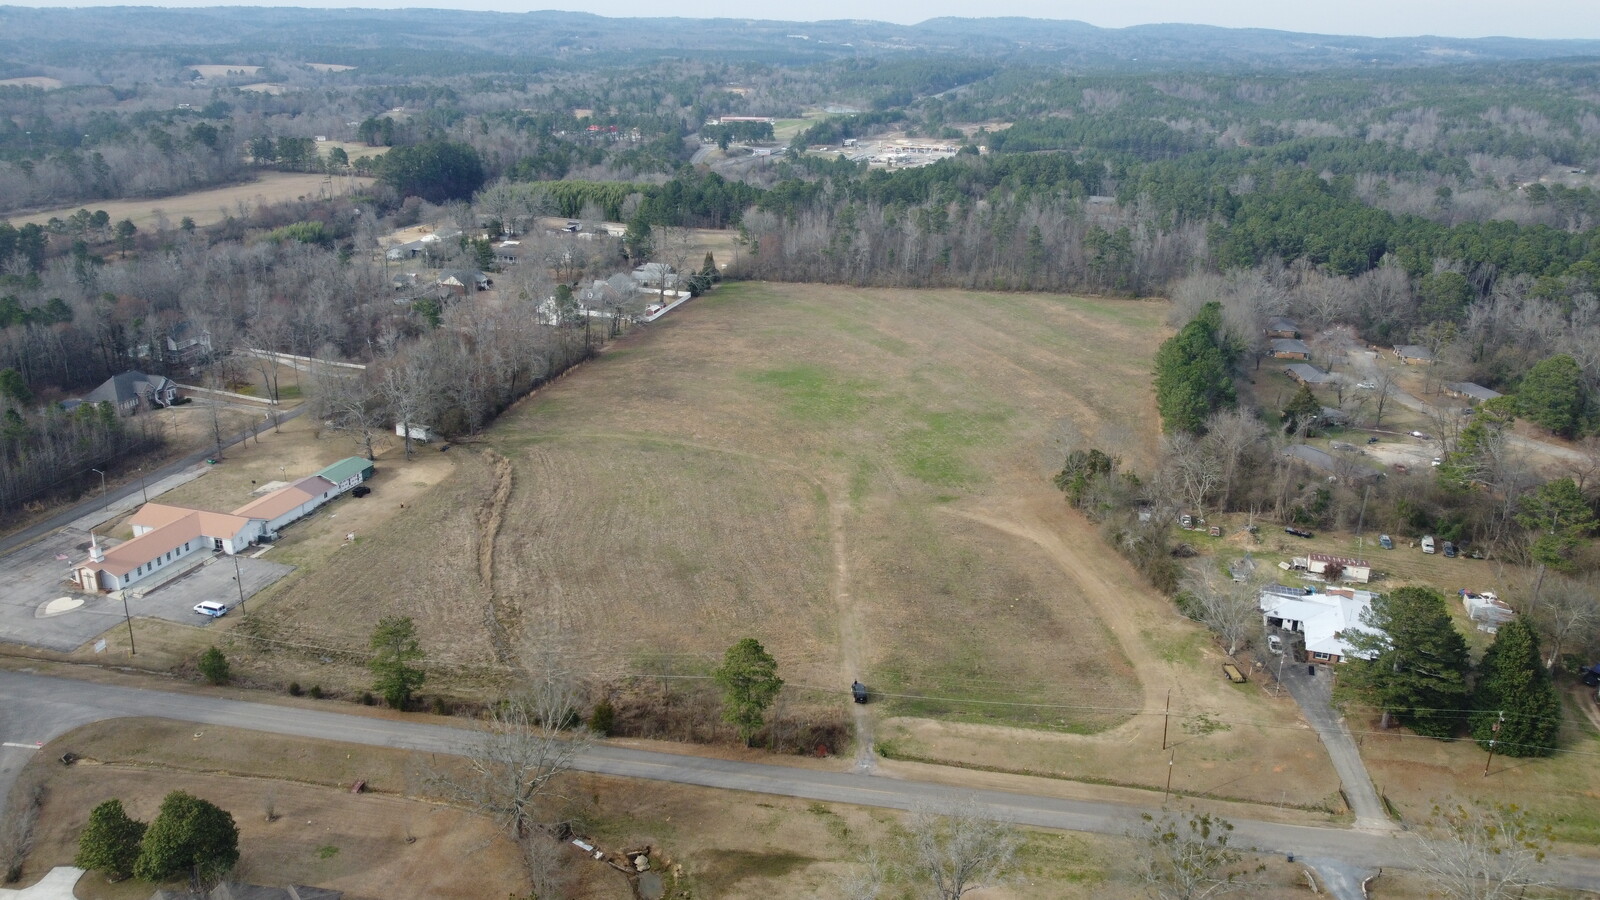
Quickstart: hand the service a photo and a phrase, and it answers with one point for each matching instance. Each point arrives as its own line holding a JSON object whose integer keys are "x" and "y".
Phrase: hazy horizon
{"x": 1537, "y": 19}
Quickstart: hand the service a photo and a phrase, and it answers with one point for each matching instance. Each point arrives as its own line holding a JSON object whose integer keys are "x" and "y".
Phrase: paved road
{"x": 72, "y": 513}
{"x": 1314, "y": 694}
{"x": 38, "y": 708}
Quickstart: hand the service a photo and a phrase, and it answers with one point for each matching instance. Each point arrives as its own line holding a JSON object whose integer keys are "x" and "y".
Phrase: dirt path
{"x": 1107, "y": 584}
{"x": 850, "y": 635}
{"x": 502, "y": 615}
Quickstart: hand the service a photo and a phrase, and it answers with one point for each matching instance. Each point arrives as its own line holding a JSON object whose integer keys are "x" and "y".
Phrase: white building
{"x": 1325, "y": 619}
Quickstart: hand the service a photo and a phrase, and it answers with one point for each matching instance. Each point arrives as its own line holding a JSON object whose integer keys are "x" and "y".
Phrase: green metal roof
{"x": 347, "y": 467}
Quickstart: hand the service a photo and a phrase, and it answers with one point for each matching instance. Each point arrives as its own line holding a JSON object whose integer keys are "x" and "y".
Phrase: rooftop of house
{"x": 128, "y": 386}
{"x": 1475, "y": 391}
{"x": 1308, "y": 373}
{"x": 1326, "y": 619}
{"x": 1289, "y": 345}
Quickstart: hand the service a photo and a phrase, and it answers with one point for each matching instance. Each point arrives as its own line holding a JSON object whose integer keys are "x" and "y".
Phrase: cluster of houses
{"x": 164, "y": 535}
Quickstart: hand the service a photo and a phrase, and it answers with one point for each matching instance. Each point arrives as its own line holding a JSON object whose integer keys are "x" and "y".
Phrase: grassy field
{"x": 860, "y": 480}
{"x": 206, "y": 207}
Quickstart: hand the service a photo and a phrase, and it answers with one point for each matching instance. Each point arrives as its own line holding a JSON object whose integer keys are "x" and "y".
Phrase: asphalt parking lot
{"x": 34, "y": 576}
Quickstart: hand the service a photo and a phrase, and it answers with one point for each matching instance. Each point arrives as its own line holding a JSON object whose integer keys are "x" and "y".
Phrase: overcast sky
{"x": 1452, "y": 18}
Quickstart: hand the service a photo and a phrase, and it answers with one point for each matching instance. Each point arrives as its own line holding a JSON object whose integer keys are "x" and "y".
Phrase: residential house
{"x": 348, "y": 472}
{"x": 1413, "y": 355}
{"x": 1280, "y": 327}
{"x": 1306, "y": 373}
{"x": 655, "y": 275}
{"x": 509, "y": 253}
{"x": 1325, "y": 620}
{"x": 1333, "y": 416}
{"x": 463, "y": 281}
{"x": 1472, "y": 393}
{"x": 1290, "y": 348}
{"x": 131, "y": 390}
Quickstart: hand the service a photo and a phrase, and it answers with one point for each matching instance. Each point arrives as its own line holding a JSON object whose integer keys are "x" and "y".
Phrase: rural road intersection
{"x": 35, "y": 709}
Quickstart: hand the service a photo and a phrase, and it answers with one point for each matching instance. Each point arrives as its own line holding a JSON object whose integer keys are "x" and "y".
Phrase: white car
{"x": 211, "y": 608}
{"x": 1367, "y": 386}
{"x": 1275, "y": 644}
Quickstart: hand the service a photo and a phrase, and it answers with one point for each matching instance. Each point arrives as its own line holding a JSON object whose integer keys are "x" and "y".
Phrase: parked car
{"x": 1274, "y": 645}
{"x": 1385, "y": 542}
{"x": 1373, "y": 439}
{"x": 1438, "y": 461}
{"x": 360, "y": 490}
{"x": 211, "y": 608}
{"x": 1427, "y": 543}
{"x": 1449, "y": 550}
{"x": 1367, "y": 386}
{"x": 1298, "y": 532}
{"x": 858, "y": 691}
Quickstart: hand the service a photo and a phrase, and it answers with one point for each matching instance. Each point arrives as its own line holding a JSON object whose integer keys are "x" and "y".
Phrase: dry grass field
{"x": 205, "y": 207}
{"x": 860, "y": 480}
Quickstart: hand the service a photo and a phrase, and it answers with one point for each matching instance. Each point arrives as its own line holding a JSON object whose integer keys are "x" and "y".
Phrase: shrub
{"x": 214, "y": 666}
{"x": 294, "y": 689}
{"x": 603, "y": 718}
{"x": 316, "y": 692}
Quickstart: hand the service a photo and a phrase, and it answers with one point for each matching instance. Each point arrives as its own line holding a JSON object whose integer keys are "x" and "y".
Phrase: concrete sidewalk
{"x": 55, "y": 885}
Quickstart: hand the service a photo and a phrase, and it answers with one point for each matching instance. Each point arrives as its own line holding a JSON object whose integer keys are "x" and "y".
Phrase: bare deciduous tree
{"x": 1230, "y": 609}
{"x": 959, "y": 846}
{"x": 1481, "y": 853}
{"x": 525, "y": 745}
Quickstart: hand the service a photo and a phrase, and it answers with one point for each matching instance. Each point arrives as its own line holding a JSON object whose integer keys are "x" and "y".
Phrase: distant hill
{"x": 67, "y": 37}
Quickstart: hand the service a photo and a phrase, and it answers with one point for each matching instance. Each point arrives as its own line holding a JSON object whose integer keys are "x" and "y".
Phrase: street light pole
{"x": 102, "y": 481}
{"x": 143, "y": 492}
{"x": 1168, "y": 792}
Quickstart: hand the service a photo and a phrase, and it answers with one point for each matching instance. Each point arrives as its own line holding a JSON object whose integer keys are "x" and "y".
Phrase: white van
{"x": 1427, "y": 543}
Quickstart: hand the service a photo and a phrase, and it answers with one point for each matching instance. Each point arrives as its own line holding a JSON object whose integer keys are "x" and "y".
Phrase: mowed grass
{"x": 691, "y": 486}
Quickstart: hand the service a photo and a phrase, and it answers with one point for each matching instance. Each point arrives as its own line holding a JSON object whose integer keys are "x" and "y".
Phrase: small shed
{"x": 418, "y": 432}
{"x": 348, "y": 472}
{"x": 1290, "y": 348}
{"x": 1487, "y": 610}
{"x": 1348, "y": 568}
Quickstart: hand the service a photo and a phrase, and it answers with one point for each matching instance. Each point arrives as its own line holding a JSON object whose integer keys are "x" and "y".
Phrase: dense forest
{"x": 1427, "y": 191}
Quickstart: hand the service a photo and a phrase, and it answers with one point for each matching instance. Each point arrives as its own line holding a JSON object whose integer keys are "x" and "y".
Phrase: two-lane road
{"x": 39, "y": 708}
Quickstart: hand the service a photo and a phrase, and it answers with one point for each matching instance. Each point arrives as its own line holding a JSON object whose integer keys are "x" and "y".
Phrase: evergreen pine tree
{"x": 1515, "y": 691}
{"x": 1418, "y": 662}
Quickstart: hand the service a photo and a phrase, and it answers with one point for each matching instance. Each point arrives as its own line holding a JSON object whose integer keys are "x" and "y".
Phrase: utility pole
{"x": 1495, "y": 729}
{"x": 1168, "y": 792}
{"x": 239, "y": 581}
{"x": 129, "y": 619}
{"x": 1166, "y": 717}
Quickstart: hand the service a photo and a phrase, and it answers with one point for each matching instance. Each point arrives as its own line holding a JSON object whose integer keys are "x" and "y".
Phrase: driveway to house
{"x": 1314, "y": 694}
{"x": 125, "y": 497}
{"x": 1365, "y": 362}
{"x": 36, "y": 708}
